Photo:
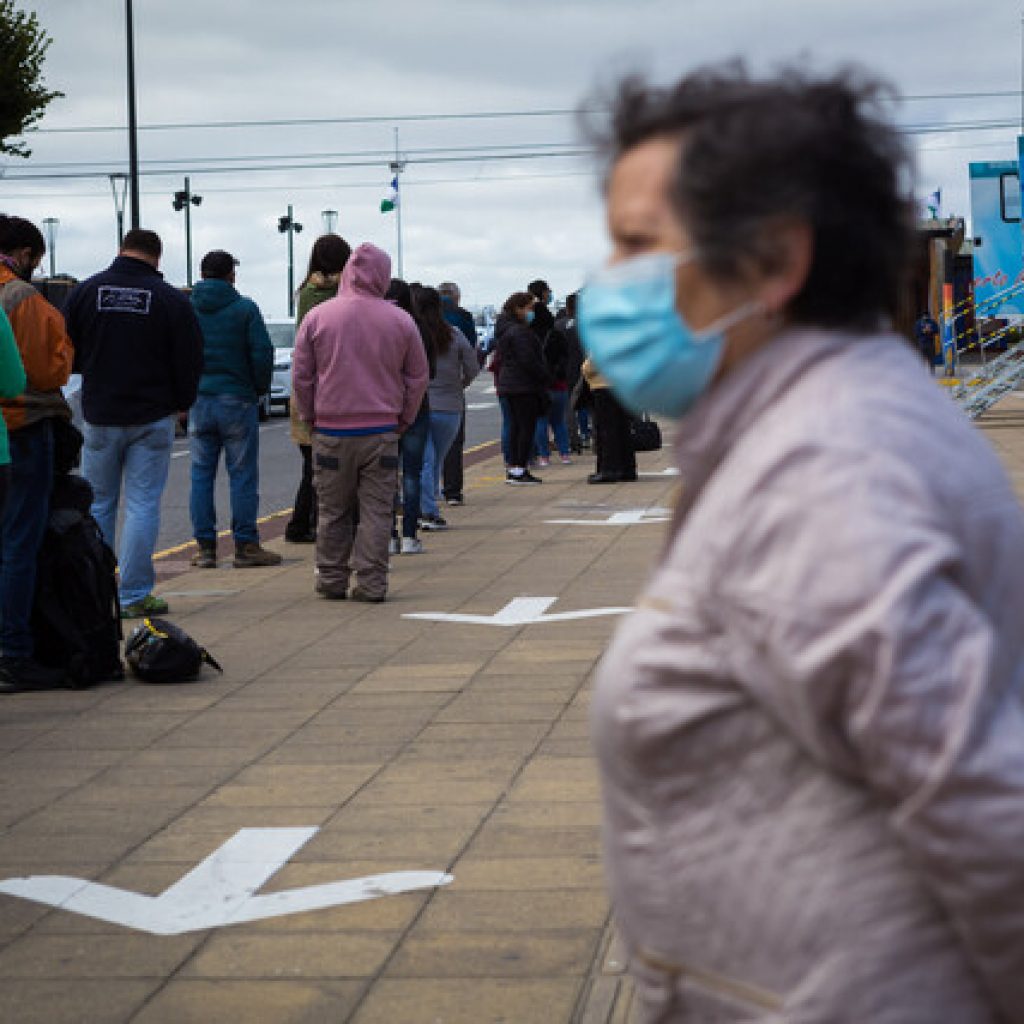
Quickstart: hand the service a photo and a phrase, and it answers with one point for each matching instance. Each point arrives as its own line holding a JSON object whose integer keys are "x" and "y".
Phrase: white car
{"x": 282, "y": 337}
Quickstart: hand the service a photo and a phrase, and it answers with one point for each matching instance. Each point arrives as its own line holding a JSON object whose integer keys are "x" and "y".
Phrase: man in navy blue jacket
{"x": 140, "y": 353}
{"x": 238, "y": 365}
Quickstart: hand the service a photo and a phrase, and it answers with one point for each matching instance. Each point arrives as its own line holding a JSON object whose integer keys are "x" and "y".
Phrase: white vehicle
{"x": 282, "y": 337}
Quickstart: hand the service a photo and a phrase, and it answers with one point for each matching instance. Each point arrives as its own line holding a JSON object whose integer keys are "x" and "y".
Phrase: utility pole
{"x": 133, "y": 128}
{"x": 185, "y": 200}
{"x": 51, "y": 224}
{"x": 397, "y": 166}
{"x": 288, "y": 225}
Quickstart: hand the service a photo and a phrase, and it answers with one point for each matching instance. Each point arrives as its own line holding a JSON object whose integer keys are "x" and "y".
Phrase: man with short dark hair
{"x": 140, "y": 353}
{"x": 454, "y": 314}
{"x": 238, "y": 361}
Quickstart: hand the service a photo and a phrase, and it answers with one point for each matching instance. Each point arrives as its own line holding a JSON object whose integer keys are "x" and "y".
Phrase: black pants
{"x": 303, "y": 520}
{"x": 613, "y": 442}
{"x": 525, "y": 410}
{"x": 452, "y": 487}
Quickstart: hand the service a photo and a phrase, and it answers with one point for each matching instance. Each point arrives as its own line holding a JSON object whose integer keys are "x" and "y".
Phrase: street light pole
{"x": 185, "y": 200}
{"x": 119, "y": 190}
{"x": 133, "y": 128}
{"x": 330, "y": 219}
{"x": 288, "y": 225}
{"x": 51, "y": 224}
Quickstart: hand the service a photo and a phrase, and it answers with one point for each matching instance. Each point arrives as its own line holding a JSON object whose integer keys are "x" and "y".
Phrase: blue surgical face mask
{"x": 653, "y": 360}
{"x": 530, "y": 316}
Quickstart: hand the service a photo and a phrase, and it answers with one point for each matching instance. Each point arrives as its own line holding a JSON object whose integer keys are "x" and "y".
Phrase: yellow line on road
{"x": 179, "y": 548}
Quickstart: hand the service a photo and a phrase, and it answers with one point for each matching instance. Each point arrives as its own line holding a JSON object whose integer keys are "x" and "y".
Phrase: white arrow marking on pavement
{"x": 520, "y": 611}
{"x": 220, "y": 890}
{"x": 671, "y": 471}
{"x": 634, "y": 517}
{"x": 473, "y": 406}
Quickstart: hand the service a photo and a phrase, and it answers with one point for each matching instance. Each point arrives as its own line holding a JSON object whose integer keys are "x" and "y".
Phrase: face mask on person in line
{"x": 653, "y": 359}
{"x": 530, "y": 316}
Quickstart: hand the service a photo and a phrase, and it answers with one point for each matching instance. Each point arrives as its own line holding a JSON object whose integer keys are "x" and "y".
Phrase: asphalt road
{"x": 281, "y": 466}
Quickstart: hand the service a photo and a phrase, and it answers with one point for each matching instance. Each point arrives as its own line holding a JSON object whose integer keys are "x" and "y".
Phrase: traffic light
{"x": 180, "y": 200}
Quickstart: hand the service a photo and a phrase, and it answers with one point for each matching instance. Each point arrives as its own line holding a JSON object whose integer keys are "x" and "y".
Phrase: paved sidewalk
{"x": 409, "y": 745}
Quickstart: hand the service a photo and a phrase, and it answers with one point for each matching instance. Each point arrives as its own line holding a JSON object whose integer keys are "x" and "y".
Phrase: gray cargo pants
{"x": 355, "y": 479}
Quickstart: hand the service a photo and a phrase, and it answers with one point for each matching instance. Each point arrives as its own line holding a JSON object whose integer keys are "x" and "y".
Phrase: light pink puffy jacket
{"x": 810, "y": 732}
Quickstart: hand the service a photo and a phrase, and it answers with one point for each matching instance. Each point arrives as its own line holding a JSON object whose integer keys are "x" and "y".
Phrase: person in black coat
{"x": 542, "y": 321}
{"x": 522, "y": 380}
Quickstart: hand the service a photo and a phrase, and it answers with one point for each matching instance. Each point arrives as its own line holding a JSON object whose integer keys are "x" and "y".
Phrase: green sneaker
{"x": 149, "y": 605}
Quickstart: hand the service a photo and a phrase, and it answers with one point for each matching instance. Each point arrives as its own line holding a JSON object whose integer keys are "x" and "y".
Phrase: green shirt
{"x": 12, "y": 378}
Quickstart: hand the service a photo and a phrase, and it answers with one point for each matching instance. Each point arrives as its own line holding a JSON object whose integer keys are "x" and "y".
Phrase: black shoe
{"x": 300, "y": 537}
{"x": 608, "y": 478}
{"x": 331, "y": 593}
{"x": 529, "y": 478}
{"x": 358, "y": 594}
{"x": 437, "y": 522}
{"x": 455, "y": 499}
{"x": 21, "y": 675}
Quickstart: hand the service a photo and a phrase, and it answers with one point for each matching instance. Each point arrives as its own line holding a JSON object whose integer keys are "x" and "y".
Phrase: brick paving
{"x": 408, "y": 744}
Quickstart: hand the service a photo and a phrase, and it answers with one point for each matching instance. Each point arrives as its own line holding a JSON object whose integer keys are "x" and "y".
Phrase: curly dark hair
{"x": 18, "y": 233}
{"x": 756, "y": 153}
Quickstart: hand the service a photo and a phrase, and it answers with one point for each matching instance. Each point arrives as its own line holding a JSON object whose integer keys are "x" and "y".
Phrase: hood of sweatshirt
{"x": 212, "y": 294}
{"x": 368, "y": 272}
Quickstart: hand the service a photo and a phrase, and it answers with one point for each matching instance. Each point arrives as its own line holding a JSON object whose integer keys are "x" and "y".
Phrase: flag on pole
{"x": 934, "y": 203}
{"x": 387, "y": 205}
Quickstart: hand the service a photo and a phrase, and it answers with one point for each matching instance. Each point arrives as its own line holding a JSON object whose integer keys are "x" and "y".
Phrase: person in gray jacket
{"x": 457, "y": 366}
{"x": 811, "y": 729}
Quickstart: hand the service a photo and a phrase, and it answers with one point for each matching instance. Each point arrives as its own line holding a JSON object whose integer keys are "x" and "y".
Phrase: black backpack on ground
{"x": 158, "y": 651}
{"x": 76, "y": 615}
{"x": 644, "y": 433}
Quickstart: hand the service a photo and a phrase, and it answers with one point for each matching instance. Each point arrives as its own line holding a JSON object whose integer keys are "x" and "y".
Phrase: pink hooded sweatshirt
{"x": 358, "y": 361}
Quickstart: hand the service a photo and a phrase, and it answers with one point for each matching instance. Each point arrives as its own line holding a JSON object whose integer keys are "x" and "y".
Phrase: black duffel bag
{"x": 645, "y": 433}
{"x": 160, "y": 652}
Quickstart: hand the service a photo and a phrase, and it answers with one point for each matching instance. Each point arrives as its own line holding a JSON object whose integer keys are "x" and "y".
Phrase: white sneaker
{"x": 393, "y": 546}
{"x": 412, "y": 546}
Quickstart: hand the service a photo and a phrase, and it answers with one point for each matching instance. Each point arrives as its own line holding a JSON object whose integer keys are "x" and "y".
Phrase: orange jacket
{"x": 45, "y": 351}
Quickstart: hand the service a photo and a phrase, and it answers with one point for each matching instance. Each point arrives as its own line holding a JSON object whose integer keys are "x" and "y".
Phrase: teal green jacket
{"x": 238, "y": 357}
{"x": 12, "y": 378}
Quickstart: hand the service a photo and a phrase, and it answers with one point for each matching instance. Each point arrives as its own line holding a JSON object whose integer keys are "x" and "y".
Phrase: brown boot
{"x": 252, "y": 556}
{"x": 206, "y": 556}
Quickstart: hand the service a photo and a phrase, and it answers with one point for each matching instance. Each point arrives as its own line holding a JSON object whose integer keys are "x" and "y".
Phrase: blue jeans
{"x": 444, "y": 427}
{"x": 556, "y": 418}
{"x": 506, "y": 429}
{"x": 141, "y": 456}
{"x": 412, "y": 447}
{"x": 231, "y": 423}
{"x": 21, "y": 534}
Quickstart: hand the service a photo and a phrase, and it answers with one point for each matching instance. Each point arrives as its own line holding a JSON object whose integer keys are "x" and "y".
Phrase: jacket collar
{"x": 131, "y": 265}
{"x": 735, "y": 403}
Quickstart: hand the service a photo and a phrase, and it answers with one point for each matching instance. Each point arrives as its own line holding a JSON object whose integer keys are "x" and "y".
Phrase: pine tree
{"x": 23, "y": 96}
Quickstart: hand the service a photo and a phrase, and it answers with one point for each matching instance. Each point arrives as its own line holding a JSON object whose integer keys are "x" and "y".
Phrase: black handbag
{"x": 160, "y": 652}
{"x": 646, "y": 434}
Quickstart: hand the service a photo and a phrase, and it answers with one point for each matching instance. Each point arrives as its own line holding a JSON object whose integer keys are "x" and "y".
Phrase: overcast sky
{"x": 492, "y": 225}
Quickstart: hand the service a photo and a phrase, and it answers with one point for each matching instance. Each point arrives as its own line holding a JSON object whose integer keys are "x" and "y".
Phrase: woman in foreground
{"x": 810, "y": 731}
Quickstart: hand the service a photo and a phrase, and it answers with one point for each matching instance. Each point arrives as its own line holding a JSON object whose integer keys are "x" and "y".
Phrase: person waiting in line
{"x": 359, "y": 375}
{"x": 522, "y": 380}
{"x": 238, "y": 362}
{"x": 457, "y": 367}
{"x": 810, "y": 731}
{"x": 453, "y": 472}
{"x": 577, "y": 419}
{"x": 327, "y": 260}
{"x": 31, "y": 402}
{"x": 413, "y": 442}
{"x": 139, "y": 349}
{"x": 613, "y": 438}
{"x": 555, "y": 349}
{"x": 12, "y": 384}
{"x": 543, "y": 319}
